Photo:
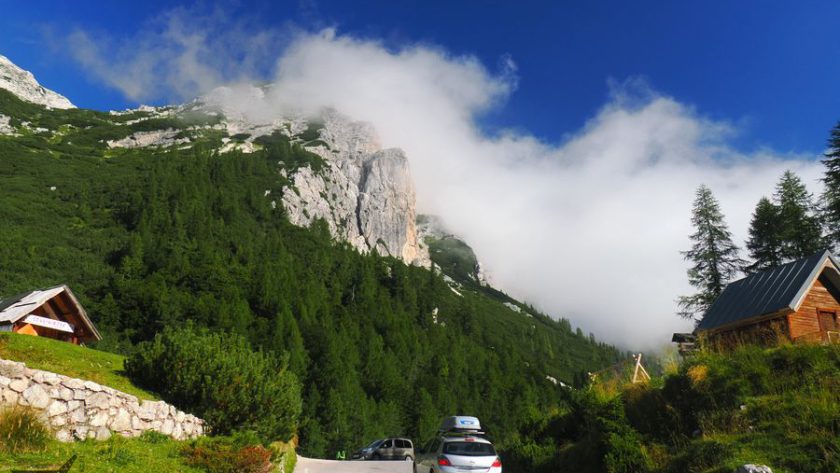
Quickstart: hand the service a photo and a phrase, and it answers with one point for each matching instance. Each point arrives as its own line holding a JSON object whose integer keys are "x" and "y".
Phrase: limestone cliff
{"x": 364, "y": 193}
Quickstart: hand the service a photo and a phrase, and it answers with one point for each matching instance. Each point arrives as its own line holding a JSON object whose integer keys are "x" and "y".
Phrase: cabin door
{"x": 828, "y": 323}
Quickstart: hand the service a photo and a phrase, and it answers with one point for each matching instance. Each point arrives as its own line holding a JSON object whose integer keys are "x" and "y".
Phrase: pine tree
{"x": 765, "y": 244}
{"x": 800, "y": 228}
{"x": 715, "y": 260}
{"x": 831, "y": 195}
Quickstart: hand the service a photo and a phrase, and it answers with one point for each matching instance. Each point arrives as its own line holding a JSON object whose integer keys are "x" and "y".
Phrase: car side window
{"x": 386, "y": 444}
{"x": 408, "y": 444}
{"x": 402, "y": 443}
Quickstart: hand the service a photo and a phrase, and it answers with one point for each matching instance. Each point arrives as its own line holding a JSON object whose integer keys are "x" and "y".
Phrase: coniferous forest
{"x": 161, "y": 238}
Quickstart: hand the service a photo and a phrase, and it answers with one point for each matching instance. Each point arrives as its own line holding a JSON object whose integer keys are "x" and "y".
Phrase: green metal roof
{"x": 766, "y": 292}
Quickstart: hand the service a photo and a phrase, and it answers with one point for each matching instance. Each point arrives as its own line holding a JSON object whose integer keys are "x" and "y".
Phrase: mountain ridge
{"x": 23, "y": 84}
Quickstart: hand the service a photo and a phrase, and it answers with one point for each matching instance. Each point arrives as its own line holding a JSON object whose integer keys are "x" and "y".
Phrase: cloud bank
{"x": 590, "y": 228}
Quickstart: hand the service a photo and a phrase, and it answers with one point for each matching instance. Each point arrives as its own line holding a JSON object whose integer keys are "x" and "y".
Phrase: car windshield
{"x": 469, "y": 449}
{"x": 374, "y": 444}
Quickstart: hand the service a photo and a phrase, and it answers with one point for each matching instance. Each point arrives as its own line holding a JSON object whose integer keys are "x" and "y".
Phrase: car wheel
{"x": 408, "y": 458}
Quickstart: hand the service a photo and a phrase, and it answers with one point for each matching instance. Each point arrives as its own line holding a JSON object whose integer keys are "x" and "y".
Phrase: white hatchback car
{"x": 458, "y": 453}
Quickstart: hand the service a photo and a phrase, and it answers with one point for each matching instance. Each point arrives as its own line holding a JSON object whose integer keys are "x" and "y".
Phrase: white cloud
{"x": 179, "y": 54}
{"x": 589, "y": 229}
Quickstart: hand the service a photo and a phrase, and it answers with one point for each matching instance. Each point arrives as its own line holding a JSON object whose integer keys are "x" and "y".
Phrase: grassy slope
{"x": 142, "y": 455}
{"x": 779, "y": 407}
{"x": 70, "y": 360}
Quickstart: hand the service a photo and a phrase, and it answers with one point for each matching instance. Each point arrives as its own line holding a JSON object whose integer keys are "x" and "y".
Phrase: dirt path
{"x": 310, "y": 465}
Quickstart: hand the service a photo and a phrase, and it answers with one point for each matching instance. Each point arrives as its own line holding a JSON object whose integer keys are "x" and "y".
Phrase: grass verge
{"x": 70, "y": 360}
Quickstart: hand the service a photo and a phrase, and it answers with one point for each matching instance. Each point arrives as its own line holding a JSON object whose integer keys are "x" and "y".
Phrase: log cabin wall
{"x": 767, "y": 333}
{"x": 804, "y": 324}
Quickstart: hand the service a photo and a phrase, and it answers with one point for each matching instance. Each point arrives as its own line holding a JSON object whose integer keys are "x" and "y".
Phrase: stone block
{"x": 51, "y": 379}
{"x": 91, "y": 386}
{"x": 750, "y": 468}
{"x": 19, "y": 385}
{"x": 138, "y": 424}
{"x": 73, "y": 383}
{"x": 98, "y": 400}
{"x": 10, "y": 397}
{"x": 103, "y": 434}
{"x": 78, "y": 416}
{"x": 167, "y": 427}
{"x": 122, "y": 421}
{"x": 98, "y": 420}
{"x": 4, "y": 381}
{"x": 64, "y": 435}
{"x": 56, "y": 408}
{"x": 36, "y": 396}
{"x": 12, "y": 369}
{"x": 65, "y": 394}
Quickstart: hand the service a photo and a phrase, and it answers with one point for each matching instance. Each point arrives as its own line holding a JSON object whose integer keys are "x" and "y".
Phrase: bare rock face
{"x": 386, "y": 205}
{"x": 23, "y": 84}
{"x": 365, "y": 194}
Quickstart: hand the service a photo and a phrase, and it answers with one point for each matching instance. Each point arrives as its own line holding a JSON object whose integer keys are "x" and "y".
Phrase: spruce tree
{"x": 714, "y": 257}
{"x": 800, "y": 227}
{"x": 831, "y": 195}
{"x": 765, "y": 244}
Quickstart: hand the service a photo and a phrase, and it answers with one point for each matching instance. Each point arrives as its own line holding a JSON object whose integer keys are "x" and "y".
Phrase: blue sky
{"x": 587, "y": 157}
{"x": 771, "y": 67}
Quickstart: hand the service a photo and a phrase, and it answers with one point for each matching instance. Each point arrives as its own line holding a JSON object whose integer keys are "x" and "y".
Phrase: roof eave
{"x": 815, "y": 273}
{"x": 82, "y": 313}
{"x": 744, "y": 322}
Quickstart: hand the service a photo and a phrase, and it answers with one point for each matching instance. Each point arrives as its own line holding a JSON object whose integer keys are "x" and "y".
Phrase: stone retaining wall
{"x": 79, "y": 409}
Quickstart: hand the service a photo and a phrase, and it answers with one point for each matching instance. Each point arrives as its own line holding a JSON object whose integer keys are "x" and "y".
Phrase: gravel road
{"x": 309, "y": 465}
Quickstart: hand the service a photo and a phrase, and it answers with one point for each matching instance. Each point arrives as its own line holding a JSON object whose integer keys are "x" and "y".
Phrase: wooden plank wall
{"x": 804, "y": 322}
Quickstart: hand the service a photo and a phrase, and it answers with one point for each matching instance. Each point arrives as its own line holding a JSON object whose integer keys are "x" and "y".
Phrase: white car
{"x": 458, "y": 453}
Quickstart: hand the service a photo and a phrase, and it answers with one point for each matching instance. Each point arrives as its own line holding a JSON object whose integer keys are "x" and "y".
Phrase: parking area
{"x": 311, "y": 465}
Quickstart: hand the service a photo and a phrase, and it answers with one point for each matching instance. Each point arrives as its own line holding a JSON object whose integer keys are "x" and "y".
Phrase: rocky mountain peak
{"x": 23, "y": 84}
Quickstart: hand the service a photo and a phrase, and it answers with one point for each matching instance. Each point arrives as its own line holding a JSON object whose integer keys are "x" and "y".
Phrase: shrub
{"x": 226, "y": 455}
{"x": 702, "y": 455}
{"x": 219, "y": 378}
{"x": 21, "y": 430}
{"x": 284, "y": 454}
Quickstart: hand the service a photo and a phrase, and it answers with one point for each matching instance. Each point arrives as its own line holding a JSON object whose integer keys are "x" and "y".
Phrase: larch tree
{"x": 831, "y": 195}
{"x": 800, "y": 226}
{"x": 764, "y": 244}
{"x": 714, "y": 257}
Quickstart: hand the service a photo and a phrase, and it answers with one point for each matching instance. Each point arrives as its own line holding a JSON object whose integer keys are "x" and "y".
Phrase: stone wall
{"x": 78, "y": 409}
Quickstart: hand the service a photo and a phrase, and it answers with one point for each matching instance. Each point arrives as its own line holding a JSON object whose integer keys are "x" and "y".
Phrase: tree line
{"x": 789, "y": 225}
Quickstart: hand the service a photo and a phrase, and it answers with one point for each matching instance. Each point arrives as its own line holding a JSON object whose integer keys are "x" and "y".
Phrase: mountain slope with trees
{"x": 154, "y": 237}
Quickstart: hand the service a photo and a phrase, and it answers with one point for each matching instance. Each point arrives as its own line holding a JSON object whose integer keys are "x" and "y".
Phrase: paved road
{"x": 309, "y": 465}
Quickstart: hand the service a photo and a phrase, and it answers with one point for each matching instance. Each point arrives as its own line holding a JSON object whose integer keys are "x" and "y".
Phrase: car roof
{"x": 463, "y": 438}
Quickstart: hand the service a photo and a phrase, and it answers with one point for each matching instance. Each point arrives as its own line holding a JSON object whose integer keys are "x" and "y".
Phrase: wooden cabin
{"x": 53, "y": 312}
{"x": 797, "y": 301}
